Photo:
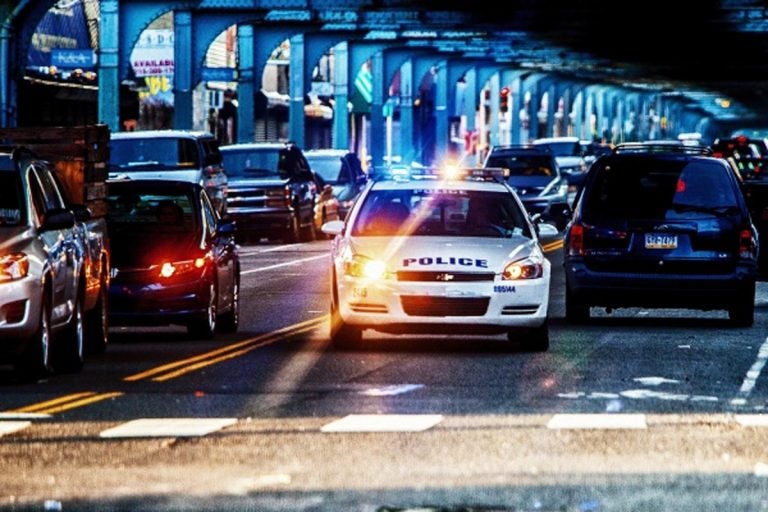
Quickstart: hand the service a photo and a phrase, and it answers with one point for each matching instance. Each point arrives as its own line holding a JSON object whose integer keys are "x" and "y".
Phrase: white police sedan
{"x": 448, "y": 251}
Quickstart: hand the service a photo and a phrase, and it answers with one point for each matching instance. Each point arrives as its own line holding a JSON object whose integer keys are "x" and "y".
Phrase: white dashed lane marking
{"x": 168, "y": 427}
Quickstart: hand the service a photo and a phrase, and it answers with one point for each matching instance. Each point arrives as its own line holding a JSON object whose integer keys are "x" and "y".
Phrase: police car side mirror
{"x": 333, "y": 228}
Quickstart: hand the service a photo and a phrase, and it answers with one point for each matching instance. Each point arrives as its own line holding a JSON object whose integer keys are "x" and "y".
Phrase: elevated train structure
{"x": 445, "y": 70}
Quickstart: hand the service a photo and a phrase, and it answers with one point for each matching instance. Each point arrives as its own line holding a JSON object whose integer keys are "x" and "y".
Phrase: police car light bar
{"x": 403, "y": 172}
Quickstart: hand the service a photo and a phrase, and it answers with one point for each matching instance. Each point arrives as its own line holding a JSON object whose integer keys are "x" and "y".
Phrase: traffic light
{"x": 504, "y": 99}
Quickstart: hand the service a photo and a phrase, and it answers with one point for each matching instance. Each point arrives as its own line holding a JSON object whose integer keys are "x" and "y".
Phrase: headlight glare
{"x": 529, "y": 268}
{"x": 360, "y": 266}
{"x": 13, "y": 266}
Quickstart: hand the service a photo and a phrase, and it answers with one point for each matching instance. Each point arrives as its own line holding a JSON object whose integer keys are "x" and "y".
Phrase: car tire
{"x": 742, "y": 314}
{"x": 34, "y": 362}
{"x": 576, "y": 311}
{"x": 229, "y": 321}
{"x": 205, "y": 325}
{"x": 69, "y": 346}
{"x": 343, "y": 335}
{"x": 97, "y": 321}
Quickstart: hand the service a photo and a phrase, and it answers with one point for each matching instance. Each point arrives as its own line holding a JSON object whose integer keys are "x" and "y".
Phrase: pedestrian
{"x": 228, "y": 118}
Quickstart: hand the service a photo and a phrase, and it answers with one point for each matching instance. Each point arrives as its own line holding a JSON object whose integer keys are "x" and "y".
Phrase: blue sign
{"x": 73, "y": 59}
{"x": 219, "y": 74}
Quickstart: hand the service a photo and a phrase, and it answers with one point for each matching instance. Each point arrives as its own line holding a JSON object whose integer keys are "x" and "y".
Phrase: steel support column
{"x": 297, "y": 91}
{"x": 246, "y": 86}
{"x": 108, "y": 66}
{"x": 183, "y": 111}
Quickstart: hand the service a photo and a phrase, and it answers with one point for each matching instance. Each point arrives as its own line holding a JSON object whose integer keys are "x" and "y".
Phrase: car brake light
{"x": 576, "y": 240}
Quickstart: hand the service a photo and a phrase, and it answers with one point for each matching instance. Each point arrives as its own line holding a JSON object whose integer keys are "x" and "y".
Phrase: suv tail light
{"x": 576, "y": 240}
{"x": 747, "y": 244}
{"x": 279, "y": 198}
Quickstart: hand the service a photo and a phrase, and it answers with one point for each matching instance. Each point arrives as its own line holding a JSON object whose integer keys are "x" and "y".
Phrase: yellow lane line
{"x": 261, "y": 340}
{"x": 551, "y": 246}
{"x": 66, "y": 402}
{"x": 55, "y": 401}
{"x": 84, "y": 401}
{"x": 225, "y": 357}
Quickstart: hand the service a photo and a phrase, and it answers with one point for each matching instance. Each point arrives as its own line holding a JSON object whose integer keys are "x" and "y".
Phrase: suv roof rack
{"x": 661, "y": 147}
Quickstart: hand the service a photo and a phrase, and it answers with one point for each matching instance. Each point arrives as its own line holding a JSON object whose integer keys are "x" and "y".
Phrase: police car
{"x": 439, "y": 251}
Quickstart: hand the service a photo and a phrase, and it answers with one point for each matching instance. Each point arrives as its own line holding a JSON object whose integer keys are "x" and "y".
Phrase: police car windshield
{"x": 434, "y": 212}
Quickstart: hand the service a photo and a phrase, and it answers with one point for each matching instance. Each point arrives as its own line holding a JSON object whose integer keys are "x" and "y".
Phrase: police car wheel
{"x": 343, "y": 336}
{"x": 537, "y": 339}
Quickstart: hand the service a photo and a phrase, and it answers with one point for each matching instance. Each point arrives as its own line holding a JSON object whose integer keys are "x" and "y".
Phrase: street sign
{"x": 219, "y": 74}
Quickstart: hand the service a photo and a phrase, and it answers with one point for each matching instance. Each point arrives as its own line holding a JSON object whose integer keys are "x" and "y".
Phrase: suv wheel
{"x": 576, "y": 311}
{"x": 742, "y": 313}
{"x": 294, "y": 231}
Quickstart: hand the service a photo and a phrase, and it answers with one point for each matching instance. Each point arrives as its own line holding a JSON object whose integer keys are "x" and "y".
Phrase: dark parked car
{"x": 171, "y": 155}
{"x": 343, "y": 171}
{"x": 273, "y": 192}
{"x": 535, "y": 175}
{"x": 749, "y": 157}
{"x": 175, "y": 262}
{"x": 661, "y": 227}
{"x": 42, "y": 270}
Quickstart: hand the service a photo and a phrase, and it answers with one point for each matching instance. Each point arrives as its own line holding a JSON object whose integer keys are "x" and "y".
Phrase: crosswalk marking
{"x": 597, "y": 421}
{"x": 383, "y": 423}
{"x": 168, "y": 427}
{"x": 9, "y": 427}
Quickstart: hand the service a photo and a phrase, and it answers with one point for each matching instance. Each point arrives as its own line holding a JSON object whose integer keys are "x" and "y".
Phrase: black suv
{"x": 535, "y": 176}
{"x": 274, "y": 193}
{"x": 661, "y": 227}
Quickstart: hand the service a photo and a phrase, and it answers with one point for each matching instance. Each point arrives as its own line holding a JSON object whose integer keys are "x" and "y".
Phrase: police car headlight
{"x": 529, "y": 268}
{"x": 361, "y": 266}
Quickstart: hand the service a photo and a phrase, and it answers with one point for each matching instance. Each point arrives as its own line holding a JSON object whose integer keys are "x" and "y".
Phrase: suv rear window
{"x": 660, "y": 189}
{"x": 523, "y": 165}
{"x": 151, "y": 154}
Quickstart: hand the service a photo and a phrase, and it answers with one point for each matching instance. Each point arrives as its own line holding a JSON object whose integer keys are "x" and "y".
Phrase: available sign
{"x": 153, "y": 54}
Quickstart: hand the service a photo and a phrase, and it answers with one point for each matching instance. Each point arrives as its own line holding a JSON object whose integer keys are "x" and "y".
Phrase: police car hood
{"x": 424, "y": 253}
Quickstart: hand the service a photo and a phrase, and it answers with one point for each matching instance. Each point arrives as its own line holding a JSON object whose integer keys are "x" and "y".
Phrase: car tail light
{"x": 170, "y": 269}
{"x": 279, "y": 198}
{"x": 576, "y": 240}
{"x": 747, "y": 244}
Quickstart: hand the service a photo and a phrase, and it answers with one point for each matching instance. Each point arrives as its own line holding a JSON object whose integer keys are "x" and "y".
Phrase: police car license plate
{"x": 660, "y": 241}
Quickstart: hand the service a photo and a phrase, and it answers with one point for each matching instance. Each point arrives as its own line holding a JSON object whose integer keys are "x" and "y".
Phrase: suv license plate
{"x": 660, "y": 241}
